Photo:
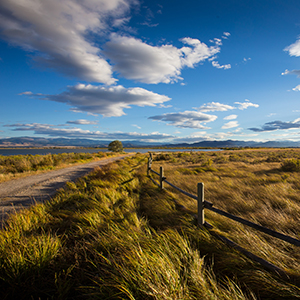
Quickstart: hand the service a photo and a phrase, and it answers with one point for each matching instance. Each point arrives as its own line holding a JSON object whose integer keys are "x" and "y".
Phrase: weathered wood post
{"x": 149, "y": 164}
{"x": 161, "y": 178}
{"x": 200, "y": 196}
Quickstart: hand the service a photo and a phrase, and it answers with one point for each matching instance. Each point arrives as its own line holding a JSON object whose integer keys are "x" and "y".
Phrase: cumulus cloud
{"x": 63, "y": 35}
{"x": 218, "y": 66}
{"x": 82, "y": 122}
{"x": 245, "y": 105}
{"x": 294, "y": 49}
{"x": 57, "y": 33}
{"x": 231, "y": 117}
{"x": 230, "y": 124}
{"x": 107, "y": 101}
{"x": 136, "y": 60}
{"x": 278, "y": 125}
{"x": 293, "y": 72}
{"x": 51, "y": 130}
{"x": 297, "y": 88}
{"x": 186, "y": 119}
{"x": 215, "y": 106}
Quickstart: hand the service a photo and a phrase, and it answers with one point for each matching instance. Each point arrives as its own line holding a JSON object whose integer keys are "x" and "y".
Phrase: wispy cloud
{"x": 277, "y": 125}
{"x": 293, "y": 72}
{"x": 230, "y": 124}
{"x": 215, "y": 106}
{"x": 186, "y": 119}
{"x": 107, "y": 101}
{"x": 230, "y": 117}
{"x": 245, "y": 105}
{"x": 226, "y": 35}
{"x": 297, "y": 88}
{"x": 198, "y": 119}
{"x": 218, "y": 66}
{"x": 149, "y": 17}
{"x": 293, "y": 50}
{"x": 82, "y": 122}
{"x": 53, "y": 131}
{"x": 138, "y": 127}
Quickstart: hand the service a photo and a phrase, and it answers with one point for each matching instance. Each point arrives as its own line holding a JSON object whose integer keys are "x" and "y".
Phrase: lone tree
{"x": 115, "y": 146}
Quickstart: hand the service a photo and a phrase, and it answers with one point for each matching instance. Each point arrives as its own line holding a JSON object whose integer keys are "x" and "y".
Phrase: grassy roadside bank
{"x": 115, "y": 235}
{"x": 16, "y": 166}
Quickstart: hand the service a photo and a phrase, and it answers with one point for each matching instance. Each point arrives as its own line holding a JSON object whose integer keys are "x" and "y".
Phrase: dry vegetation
{"x": 115, "y": 235}
{"x": 260, "y": 186}
{"x": 15, "y": 166}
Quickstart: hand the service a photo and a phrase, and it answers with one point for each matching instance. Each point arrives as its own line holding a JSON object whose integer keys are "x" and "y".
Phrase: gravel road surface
{"x": 21, "y": 193}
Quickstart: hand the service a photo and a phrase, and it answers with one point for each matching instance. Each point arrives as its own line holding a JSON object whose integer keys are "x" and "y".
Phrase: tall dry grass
{"x": 22, "y": 165}
{"x": 260, "y": 186}
{"x": 114, "y": 235}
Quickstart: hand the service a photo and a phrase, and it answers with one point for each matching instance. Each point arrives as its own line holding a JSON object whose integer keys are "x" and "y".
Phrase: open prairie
{"x": 115, "y": 235}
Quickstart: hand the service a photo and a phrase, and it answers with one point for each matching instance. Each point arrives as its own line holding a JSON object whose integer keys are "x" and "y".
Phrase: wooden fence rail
{"x": 203, "y": 204}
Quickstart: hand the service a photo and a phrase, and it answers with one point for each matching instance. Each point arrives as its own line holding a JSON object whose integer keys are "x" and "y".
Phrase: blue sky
{"x": 156, "y": 71}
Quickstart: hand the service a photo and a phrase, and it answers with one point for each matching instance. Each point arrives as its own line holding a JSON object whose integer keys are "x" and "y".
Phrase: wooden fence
{"x": 202, "y": 204}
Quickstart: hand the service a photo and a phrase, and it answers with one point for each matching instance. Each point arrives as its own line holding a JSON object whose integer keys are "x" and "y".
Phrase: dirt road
{"x": 21, "y": 193}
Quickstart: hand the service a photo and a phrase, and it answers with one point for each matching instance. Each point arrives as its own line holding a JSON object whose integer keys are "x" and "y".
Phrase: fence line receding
{"x": 202, "y": 204}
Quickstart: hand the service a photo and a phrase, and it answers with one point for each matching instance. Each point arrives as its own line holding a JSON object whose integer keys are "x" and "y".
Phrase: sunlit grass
{"x": 16, "y": 166}
{"x": 114, "y": 235}
{"x": 248, "y": 184}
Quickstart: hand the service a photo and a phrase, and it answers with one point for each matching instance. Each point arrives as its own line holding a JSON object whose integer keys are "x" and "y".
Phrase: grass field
{"x": 16, "y": 166}
{"x": 115, "y": 235}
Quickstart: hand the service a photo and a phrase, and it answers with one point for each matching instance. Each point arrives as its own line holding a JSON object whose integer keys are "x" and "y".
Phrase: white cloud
{"x": 245, "y": 105}
{"x": 297, "y": 88}
{"x": 82, "y": 122}
{"x": 294, "y": 49}
{"x": 231, "y": 117}
{"x": 246, "y": 59}
{"x": 278, "y": 125}
{"x": 230, "y": 124}
{"x": 226, "y": 35}
{"x": 138, "y": 127}
{"x": 63, "y": 35}
{"x": 296, "y": 121}
{"x": 107, "y": 101}
{"x": 51, "y": 130}
{"x": 215, "y": 106}
{"x": 57, "y": 33}
{"x": 293, "y": 72}
{"x": 136, "y": 60}
{"x": 218, "y": 66}
{"x": 186, "y": 119}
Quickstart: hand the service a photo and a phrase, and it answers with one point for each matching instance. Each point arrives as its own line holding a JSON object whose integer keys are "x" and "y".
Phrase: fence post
{"x": 149, "y": 164}
{"x": 161, "y": 178}
{"x": 200, "y": 196}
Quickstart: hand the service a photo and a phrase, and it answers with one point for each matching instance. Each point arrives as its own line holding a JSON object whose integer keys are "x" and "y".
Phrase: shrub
{"x": 273, "y": 158}
{"x": 162, "y": 156}
{"x": 291, "y": 165}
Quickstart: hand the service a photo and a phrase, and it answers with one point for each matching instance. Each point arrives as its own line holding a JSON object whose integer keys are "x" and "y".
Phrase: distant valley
{"x": 64, "y": 142}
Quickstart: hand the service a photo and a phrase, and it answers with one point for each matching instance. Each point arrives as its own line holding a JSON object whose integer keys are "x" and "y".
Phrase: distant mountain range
{"x": 64, "y": 142}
